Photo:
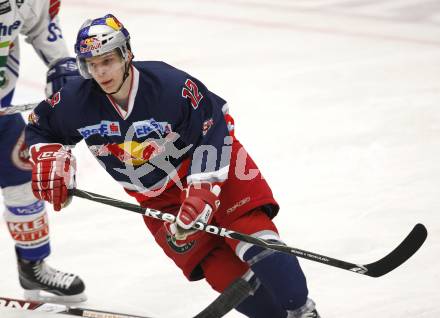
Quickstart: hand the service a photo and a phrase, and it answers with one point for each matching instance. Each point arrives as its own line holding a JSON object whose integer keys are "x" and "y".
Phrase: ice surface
{"x": 338, "y": 103}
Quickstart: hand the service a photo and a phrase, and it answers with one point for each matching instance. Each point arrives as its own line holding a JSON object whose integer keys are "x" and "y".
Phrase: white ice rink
{"x": 338, "y": 102}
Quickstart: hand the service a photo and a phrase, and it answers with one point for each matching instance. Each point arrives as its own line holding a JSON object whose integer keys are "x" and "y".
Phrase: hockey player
{"x": 169, "y": 142}
{"x": 25, "y": 216}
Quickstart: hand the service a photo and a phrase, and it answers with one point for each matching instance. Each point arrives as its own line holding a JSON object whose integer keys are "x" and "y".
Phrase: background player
{"x": 26, "y": 217}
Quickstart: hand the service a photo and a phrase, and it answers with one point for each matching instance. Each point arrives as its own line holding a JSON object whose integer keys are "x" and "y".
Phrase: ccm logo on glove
{"x": 53, "y": 173}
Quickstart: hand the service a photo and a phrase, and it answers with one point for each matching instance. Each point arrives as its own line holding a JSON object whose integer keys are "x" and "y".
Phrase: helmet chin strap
{"x": 126, "y": 73}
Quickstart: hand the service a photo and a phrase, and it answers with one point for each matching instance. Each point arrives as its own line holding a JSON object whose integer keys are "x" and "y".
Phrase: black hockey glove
{"x": 60, "y": 73}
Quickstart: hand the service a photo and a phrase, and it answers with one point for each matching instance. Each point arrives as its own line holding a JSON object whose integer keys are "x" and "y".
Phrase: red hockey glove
{"x": 53, "y": 173}
{"x": 199, "y": 203}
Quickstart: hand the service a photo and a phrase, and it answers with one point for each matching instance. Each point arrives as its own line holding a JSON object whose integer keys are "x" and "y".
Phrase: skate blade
{"x": 43, "y": 296}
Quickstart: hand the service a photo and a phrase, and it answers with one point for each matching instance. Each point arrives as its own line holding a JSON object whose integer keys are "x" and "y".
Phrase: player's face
{"x": 107, "y": 70}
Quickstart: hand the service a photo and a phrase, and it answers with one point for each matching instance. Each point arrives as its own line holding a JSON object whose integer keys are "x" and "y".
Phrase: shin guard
{"x": 27, "y": 222}
{"x": 280, "y": 274}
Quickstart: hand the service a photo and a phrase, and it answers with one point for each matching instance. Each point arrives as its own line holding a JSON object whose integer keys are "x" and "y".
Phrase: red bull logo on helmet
{"x": 89, "y": 44}
{"x": 113, "y": 23}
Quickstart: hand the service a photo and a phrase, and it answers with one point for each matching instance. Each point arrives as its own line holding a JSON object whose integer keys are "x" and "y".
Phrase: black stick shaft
{"x": 399, "y": 255}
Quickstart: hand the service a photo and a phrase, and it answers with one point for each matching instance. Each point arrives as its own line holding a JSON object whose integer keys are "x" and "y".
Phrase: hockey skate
{"x": 44, "y": 283}
{"x": 306, "y": 311}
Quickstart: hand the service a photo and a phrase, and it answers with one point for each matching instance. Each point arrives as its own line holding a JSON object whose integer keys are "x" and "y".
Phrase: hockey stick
{"x": 224, "y": 303}
{"x": 397, "y": 257}
{"x": 59, "y": 309}
{"x": 13, "y": 109}
{"x": 230, "y": 298}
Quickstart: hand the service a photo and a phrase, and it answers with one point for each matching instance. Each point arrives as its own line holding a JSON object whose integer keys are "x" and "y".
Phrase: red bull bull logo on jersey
{"x": 130, "y": 152}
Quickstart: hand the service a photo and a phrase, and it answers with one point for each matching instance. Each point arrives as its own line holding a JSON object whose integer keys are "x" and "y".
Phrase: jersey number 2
{"x": 191, "y": 91}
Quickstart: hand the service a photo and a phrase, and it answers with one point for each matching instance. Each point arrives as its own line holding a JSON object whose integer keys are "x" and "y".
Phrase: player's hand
{"x": 199, "y": 203}
{"x": 60, "y": 73}
{"x": 53, "y": 173}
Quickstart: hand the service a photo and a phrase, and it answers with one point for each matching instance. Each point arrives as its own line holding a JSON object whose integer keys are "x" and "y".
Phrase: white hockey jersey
{"x": 38, "y": 21}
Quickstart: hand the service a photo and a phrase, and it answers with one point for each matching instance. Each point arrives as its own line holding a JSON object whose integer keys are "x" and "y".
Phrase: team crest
{"x": 54, "y": 100}
{"x": 207, "y": 124}
{"x": 20, "y": 154}
{"x": 33, "y": 119}
{"x": 179, "y": 248}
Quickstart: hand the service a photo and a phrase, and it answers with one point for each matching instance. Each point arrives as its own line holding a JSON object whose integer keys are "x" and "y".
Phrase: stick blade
{"x": 400, "y": 254}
